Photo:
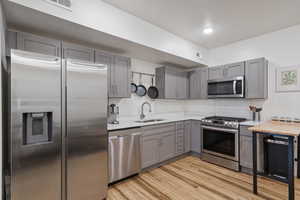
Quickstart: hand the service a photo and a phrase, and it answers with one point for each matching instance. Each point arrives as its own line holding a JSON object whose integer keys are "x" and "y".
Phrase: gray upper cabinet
{"x": 169, "y": 85}
{"x": 227, "y": 71}
{"x": 172, "y": 83}
{"x": 118, "y": 73}
{"x": 38, "y": 44}
{"x": 182, "y": 85}
{"x": 11, "y": 41}
{"x": 215, "y": 73}
{"x": 120, "y": 77}
{"x": 234, "y": 70}
{"x": 106, "y": 59}
{"x": 256, "y": 74}
{"x": 78, "y": 52}
{"x": 198, "y": 84}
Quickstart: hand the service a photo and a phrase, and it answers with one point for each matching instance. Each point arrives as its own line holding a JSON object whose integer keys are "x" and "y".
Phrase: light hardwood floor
{"x": 190, "y": 178}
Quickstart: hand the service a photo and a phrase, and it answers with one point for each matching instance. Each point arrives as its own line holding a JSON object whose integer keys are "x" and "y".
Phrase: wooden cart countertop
{"x": 275, "y": 127}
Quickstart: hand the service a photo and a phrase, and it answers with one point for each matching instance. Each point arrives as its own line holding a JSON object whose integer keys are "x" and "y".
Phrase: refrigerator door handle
{"x": 35, "y": 56}
{"x": 80, "y": 62}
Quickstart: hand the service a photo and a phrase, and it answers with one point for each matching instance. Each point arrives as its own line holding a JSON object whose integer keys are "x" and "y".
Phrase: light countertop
{"x": 131, "y": 122}
{"x": 282, "y": 128}
{"x": 251, "y": 123}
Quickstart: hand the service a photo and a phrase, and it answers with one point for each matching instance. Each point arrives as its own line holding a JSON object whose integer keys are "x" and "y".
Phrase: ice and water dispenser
{"x": 37, "y": 127}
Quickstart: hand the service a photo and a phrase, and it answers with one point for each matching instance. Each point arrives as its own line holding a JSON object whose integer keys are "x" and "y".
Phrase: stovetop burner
{"x": 222, "y": 121}
{"x": 223, "y": 118}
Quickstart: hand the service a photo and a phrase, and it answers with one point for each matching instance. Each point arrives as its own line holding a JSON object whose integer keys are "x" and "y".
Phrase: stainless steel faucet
{"x": 142, "y": 116}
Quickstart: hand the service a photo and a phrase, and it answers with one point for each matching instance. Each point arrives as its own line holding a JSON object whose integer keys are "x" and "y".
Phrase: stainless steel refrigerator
{"x": 58, "y": 130}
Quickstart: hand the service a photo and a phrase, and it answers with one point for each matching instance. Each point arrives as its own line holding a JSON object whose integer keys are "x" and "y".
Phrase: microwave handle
{"x": 234, "y": 86}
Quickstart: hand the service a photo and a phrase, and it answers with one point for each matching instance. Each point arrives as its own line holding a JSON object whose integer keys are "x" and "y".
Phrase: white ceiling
{"x": 32, "y": 21}
{"x": 232, "y": 20}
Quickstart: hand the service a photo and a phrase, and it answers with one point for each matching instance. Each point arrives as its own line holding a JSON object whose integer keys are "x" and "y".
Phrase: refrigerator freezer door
{"x": 35, "y": 126}
{"x": 86, "y": 131}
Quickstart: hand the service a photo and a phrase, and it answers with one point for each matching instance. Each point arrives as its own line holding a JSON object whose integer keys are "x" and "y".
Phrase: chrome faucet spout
{"x": 142, "y": 115}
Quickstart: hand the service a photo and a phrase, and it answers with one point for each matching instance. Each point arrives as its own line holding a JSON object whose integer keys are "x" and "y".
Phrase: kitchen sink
{"x": 149, "y": 120}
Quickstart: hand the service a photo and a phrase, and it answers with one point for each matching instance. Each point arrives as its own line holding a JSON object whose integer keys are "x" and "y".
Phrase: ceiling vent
{"x": 61, "y": 3}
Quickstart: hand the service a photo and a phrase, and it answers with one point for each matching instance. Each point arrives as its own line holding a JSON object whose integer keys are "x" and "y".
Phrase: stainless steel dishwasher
{"x": 124, "y": 153}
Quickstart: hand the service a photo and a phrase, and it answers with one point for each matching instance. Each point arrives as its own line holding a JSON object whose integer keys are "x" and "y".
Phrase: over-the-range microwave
{"x": 226, "y": 88}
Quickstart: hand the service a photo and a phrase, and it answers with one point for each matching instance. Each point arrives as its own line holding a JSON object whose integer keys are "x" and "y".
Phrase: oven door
{"x": 221, "y": 142}
{"x": 229, "y": 88}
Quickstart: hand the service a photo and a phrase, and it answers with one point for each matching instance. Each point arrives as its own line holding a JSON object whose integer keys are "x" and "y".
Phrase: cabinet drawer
{"x": 179, "y": 125}
{"x": 180, "y": 140}
{"x": 149, "y": 130}
{"x": 180, "y": 149}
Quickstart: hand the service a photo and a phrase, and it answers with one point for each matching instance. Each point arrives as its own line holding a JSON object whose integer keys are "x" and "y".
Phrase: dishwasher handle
{"x": 280, "y": 142}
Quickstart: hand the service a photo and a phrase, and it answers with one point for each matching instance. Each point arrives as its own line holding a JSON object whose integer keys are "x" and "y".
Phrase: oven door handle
{"x": 220, "y": 129}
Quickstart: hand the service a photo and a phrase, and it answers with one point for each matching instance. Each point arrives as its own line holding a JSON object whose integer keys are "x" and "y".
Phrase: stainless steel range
{"x": 220, "y": 141}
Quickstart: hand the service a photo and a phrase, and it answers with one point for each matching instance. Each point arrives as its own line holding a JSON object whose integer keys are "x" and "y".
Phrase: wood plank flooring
{"x": 192, "y": 179}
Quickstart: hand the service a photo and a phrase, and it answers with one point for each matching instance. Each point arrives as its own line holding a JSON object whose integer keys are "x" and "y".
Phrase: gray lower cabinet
{"x": 187, "y": 136}
{"x": 38, "y": 44}
{"x": 167, "y": 146}
{"x": 246, "y": 152}
{"x": 256, "y": 75}
{"x": 78, "y": 52}
{"x": 150, "y": 150}
{"x": 198, "y": 83}
{"x": 180, "y": 138}
{"x": 196, "y": 136}
{"x": 172, "y": 83}
{"x": 158, "y": 143}
{"x": 246, "y": 155}
{"x": 118, "y": 73}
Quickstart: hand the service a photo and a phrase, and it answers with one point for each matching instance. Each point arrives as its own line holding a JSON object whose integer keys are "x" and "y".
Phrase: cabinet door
{"x": 234, "y": 70}
{"x": 38, "y": 44}
{"x": 150, "y": 150}
{"x": 182, "y": 85}
{"x": 11, "y": 41}
{"x": 198, "y": 84}
{"x": 215, "y": 73}
{"x": 203, "y": 83}
{"x": 105, "y": 58}
{"x": 187, "y": 136}
{"x": 246, "y": 152}
{"x": 196, "y": 136}
{"x": 170, "y": 84}
{"x": 120, "y": 77}
{"x": 256, "y": 76}
{"x": 78, "y": 52}
{"x": 167, "y": 146}
{"x": 195, "y": 84}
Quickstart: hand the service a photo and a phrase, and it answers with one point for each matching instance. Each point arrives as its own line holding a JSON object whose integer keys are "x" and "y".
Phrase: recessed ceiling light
{"x": 208, "y": 31}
